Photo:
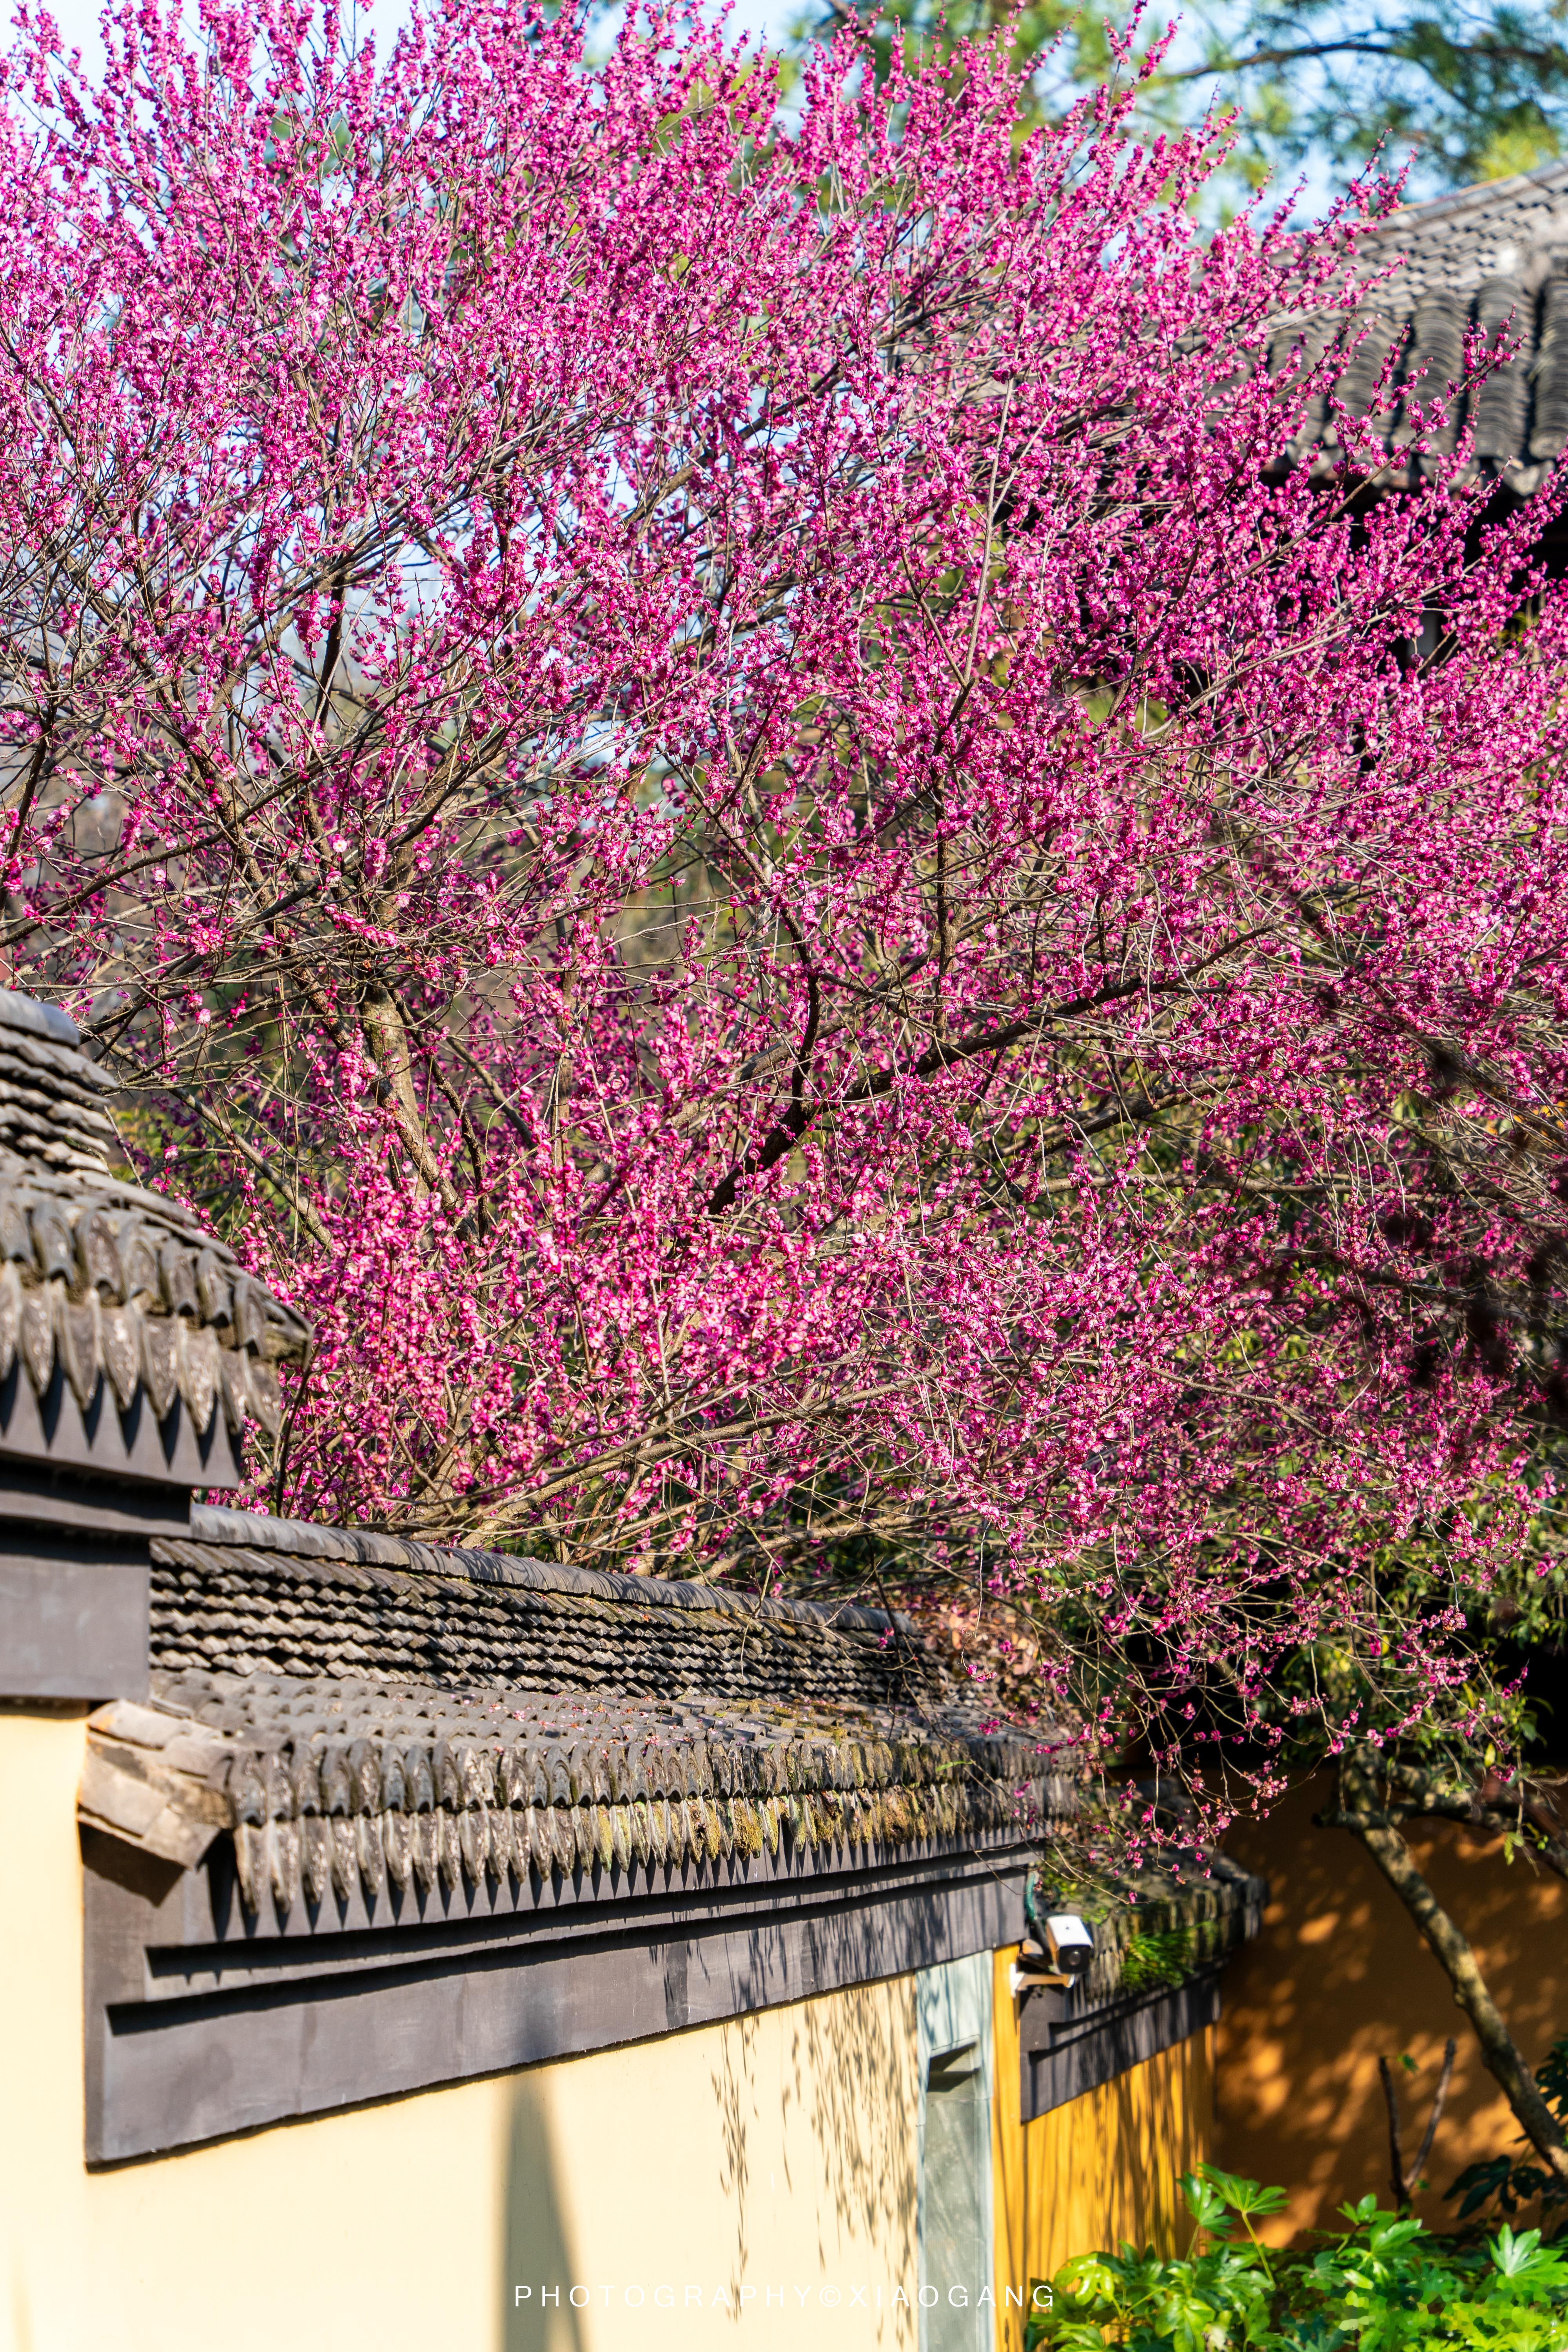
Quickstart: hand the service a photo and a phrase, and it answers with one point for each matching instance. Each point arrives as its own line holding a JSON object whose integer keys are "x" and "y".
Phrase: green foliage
{"x": 1382, "y": 2285}
{"x": 1475, "y": 90}
{"x": 1070, "y": 47}
{"x": 1505, "y": 2182}
{"x": 1478, "y": 91}
{"x": 1152, "y": 1958}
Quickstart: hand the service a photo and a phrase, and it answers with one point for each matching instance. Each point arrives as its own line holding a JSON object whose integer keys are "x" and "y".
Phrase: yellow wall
{"x": 747, "y": 2168}
{"x": 1340, "y": 1977}
{"x": 1102, "y": 2169}
{"x": 775, "y": 2152}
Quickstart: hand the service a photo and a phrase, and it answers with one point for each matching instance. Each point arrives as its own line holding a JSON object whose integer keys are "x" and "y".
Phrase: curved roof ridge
{"x": 1478, "y": 195}
{"x": 374, "y": 1547}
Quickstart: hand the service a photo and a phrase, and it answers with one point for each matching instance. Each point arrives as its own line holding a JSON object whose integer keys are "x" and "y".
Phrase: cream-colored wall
{"x": 775, "y": 2153}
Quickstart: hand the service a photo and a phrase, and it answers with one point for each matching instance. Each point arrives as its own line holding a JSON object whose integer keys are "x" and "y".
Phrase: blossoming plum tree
{"x": 705, "y": 772}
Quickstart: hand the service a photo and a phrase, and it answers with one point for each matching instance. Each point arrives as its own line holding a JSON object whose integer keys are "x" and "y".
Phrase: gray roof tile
{"x": 354, "y": 1709}
{"x": 114, "y": 1284}
{"x": 1492, "y": 259}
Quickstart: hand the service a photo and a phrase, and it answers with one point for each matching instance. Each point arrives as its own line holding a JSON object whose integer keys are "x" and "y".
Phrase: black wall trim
{"x": 73, "y": 1621}
{"x": 188, "y": 2042}
{"x": 1066, "y": 2050}
{"x": 131, "y": 1445}
{"x": 57, "y": 1494}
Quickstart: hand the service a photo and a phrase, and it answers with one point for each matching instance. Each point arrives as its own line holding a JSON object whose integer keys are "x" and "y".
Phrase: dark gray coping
{"x": 75, "y": 1579}
{"x": 40, "y": 1020}
{"x": 367, "y": 1548}
{"x": 57, "y": 1495}
{"x": 123, "y": 1446}
{"x": 1067, "y": 2045}
{"x": 197, "y": 2030}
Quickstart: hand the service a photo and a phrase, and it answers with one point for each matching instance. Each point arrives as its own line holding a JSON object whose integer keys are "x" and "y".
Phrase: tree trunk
{"x": 389, "y": 1041}
{"x": 1405, "y": 2179}
{"x": 1366, "y": 1819}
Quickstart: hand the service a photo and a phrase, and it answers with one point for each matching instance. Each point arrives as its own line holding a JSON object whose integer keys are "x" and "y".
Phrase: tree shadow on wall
{"x": 736, "y": 2092}
{"x": 848, "y": 2074}
{"x": 1108, "y": 2165}
{"x": 537, "y": 2250}
{"x": 1340, "y": 1976}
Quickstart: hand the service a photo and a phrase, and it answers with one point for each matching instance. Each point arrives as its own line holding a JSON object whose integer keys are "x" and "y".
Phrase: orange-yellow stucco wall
{"x": 698, "y": 2190}
{"x": 766, "y": 2163}
{"x": 1340, "y": 1977}
{"x": 1104, "y": 2167}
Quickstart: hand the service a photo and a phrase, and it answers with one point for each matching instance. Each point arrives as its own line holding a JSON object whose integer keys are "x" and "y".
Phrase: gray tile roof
{"x": 118, "y": 1287}
{"x": 1493, "y": 259}
{"x": 253, "y": 1595}
{"x": 357, "y": 1711}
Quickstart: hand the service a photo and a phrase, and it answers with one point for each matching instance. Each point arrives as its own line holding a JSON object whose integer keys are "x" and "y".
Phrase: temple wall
{"x": 700, "y": 2188}
{"x": 1099, "y": 2169}
{"x": 777, "y": 2152}
{"x": 1340, "y": 1977}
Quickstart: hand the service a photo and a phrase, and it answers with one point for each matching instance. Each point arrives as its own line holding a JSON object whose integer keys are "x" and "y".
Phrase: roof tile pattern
{"x": 340, "y": 1786}
{"x": 239, "y": 1610}
{"x": 1492, "y": 261}
{"x": 359, "y": 1712}
{"x": 111, "y": 1283}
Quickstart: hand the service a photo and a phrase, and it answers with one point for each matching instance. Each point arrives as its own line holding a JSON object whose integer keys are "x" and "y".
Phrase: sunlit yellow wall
{"x": 1101, "y": 2169}
{"x": 775, "y": 2153}
{"x": 747, "y": 2168}
{"x": 1341, "y": 1977}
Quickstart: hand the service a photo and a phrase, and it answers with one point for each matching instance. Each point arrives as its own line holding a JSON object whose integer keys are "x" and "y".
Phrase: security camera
{"x": 1069, "y": 1942}
{"x": 1061, "y": 1960}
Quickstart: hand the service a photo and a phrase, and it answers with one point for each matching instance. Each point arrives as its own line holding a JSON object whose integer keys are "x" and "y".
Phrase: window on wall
{"x": 952, "y": 2238}
{"x": 954, "y": 2006}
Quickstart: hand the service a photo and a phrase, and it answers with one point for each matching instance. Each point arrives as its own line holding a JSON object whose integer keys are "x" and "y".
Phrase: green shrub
{"x": 1386, "y": 2283}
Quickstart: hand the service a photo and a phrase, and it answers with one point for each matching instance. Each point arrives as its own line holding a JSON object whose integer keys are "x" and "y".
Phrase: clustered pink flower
{"x": 704, "y": 761}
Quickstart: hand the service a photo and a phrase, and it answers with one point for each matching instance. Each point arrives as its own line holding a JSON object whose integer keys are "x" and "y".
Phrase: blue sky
{"x": 79, "y": 20}
{"x": 768, "y": 19}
